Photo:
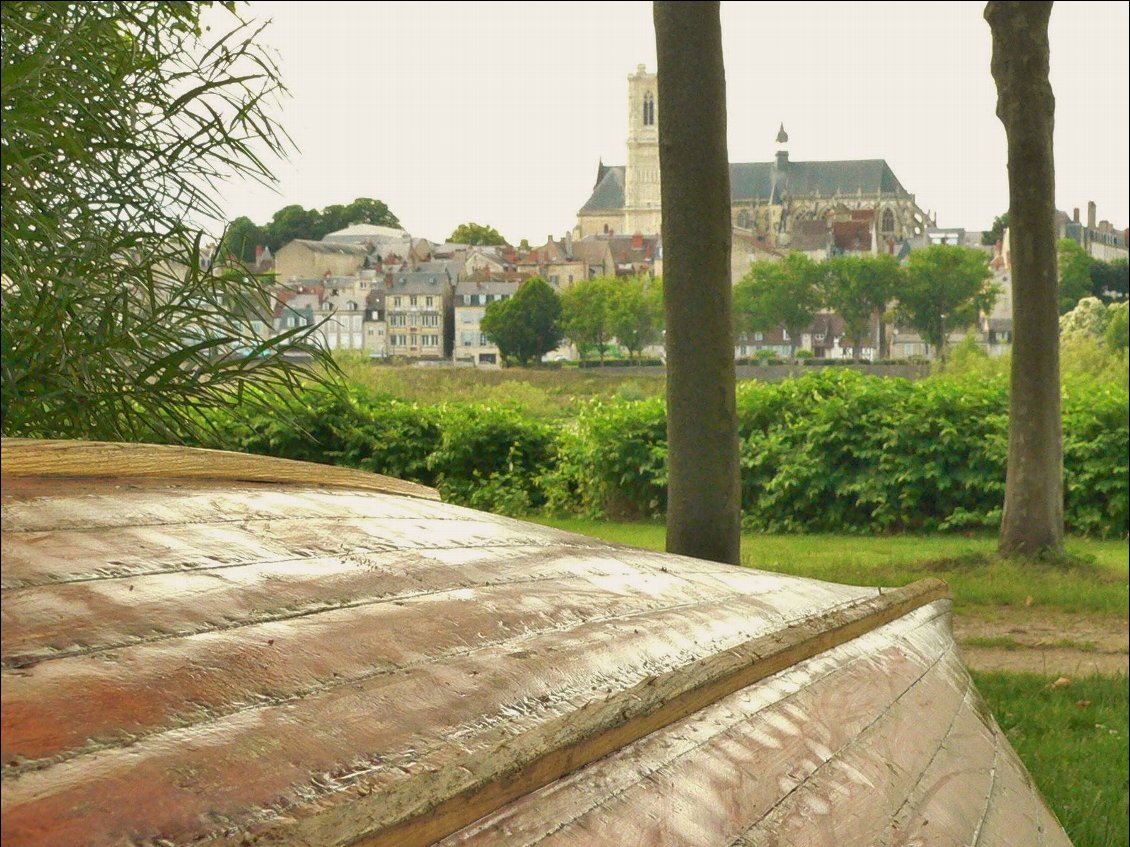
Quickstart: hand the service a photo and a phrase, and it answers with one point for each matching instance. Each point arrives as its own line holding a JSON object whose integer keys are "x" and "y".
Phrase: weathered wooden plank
{"x": 948, "y": 803}
{"x": 432, "y": 805}
{"x": 702, "y": 779}
{"x": 511, "y": 684}
{"x": 849, "y": 799}
{"x": 164, "y": 684}
{"x": 287, "y": 663}
{"x": 1016, "y": 812}
{"x": 159, "y": 606}
{"x": 330, "y": 734}
{"x": 46, "y": 459}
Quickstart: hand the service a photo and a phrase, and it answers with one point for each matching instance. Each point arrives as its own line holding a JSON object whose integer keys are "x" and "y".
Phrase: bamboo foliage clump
{"x": 121, "y": 123}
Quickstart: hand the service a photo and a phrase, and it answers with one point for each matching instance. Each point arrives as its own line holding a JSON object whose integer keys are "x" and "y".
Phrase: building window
{"x": 395, "y": 301}
{"x": 428, "y": 301}
{"x": 888, "y": 220}
{"x": 412, "y": 300}
{"x": 648, "y": 110}
{"x": 759, "y": 336}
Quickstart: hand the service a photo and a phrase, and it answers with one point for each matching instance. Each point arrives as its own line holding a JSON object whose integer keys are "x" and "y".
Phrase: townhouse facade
{"x": 418, "y": 314}
{"x": 471, "y": 301}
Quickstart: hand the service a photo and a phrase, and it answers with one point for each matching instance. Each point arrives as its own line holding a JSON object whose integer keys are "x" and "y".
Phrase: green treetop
{"x": 946, "y": 289}
{"x": 477, "y": 234}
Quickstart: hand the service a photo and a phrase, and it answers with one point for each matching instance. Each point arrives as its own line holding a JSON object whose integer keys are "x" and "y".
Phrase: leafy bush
{"x": 352, "y": 428}
{"x": 833, "y": 450}
{"x": 836, "y": 450}
{"x": 613, "y": 461}
{"x": 1096, "y": 433}
{"x": 491, "y": 457}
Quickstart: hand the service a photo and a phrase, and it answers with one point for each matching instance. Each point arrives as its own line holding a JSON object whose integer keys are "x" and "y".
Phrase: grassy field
{"x": 1095, "y": 580}
{"x": 1072, "y": 739}
{"x": 540, "y": 393}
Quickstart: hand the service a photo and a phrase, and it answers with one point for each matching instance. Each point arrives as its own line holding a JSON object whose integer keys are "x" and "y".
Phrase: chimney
{"x": 1075, "y": 215}
{"x": 569, "y": 245}
{"x": 1092, "y": 213}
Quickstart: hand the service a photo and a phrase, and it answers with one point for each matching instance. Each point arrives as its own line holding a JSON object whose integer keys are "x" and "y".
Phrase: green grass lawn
{"x": 1095, "y": 579}
{"x": 1074, "y": 742}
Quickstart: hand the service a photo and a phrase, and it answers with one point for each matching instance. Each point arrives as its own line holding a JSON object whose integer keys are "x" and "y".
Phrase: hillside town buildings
{"x": 380, "y": 292}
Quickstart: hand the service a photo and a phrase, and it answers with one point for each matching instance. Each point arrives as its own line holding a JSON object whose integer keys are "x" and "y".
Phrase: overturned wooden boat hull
{"x": 203, "y": 648}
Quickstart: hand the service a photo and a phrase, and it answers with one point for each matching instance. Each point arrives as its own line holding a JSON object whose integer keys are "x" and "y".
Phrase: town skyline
{"x": 501, "y": 116}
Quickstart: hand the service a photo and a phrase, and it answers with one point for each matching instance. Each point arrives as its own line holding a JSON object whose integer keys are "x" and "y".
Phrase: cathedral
{"x": 779, "y": 206}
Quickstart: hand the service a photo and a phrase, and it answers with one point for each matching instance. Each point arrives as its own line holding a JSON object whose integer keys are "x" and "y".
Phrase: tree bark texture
{"x": 1033, "y": 504}
{"x": 703, "y": 499}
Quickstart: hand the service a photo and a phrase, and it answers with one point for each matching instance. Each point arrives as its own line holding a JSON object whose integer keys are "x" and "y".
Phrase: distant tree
{"x": 525, "y": 327}
{"x": 363, "y": 210}
{"x": 291, "y": 222}
{"x": 636, "y": 313}
{"x": 1088, "y": 319}
{"x": 586, "y": 314}
{"x": 294, "y": 221}
{"x": 946, "y": 289}
{"x": 240, "y": 240}
{"x": 524, "y": 246}
{"x": 778, "y": 294}
{"x": 858, "y": 288}
{"x": 1032, "y": 520}
{"x": 992, "y": 236}
{"x": 1110, "y": 281}
{"x": 1117, "y": 334}
{"x": 1074, "y": 273}
{"x": 473, "y": 233}
{"x": 703, "y": 481}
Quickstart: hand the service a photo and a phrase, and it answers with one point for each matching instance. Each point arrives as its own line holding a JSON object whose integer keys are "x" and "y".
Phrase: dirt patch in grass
{"x": 1043, "y": 641}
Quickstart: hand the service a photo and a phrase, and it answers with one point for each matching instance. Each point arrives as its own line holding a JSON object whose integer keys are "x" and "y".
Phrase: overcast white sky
{"x": 499, "y": 112}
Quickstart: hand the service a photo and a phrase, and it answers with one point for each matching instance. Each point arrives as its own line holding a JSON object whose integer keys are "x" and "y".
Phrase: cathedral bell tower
{"x": 641, "y": 178}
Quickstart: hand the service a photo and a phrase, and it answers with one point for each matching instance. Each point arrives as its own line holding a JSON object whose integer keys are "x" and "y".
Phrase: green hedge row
{"x": 833, "y": 450}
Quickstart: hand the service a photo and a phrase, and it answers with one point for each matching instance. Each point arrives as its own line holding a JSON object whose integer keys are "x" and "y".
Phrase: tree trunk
{"x": 703, "y": 495}
{"x": 1033, "y": 500}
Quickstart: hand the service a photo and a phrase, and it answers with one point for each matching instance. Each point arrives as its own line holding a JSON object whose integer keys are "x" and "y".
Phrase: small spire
{"x": 782, "y": 136}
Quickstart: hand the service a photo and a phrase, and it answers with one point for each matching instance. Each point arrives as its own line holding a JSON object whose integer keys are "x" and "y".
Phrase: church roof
{"x": 608, "y": 194}
{"x": 755, "y": 181}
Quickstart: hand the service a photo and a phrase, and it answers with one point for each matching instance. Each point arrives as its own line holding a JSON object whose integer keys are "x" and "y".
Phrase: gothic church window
{"x": 888, "y": 221}
{"x": 648, "y": 110}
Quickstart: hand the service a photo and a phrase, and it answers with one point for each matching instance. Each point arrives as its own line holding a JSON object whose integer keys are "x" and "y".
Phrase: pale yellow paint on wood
{"x": 98, "y": 459}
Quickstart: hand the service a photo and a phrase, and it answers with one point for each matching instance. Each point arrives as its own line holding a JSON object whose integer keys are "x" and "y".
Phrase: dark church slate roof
{"x": 608, "y": 193}
{"x": 754, "y": 181}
